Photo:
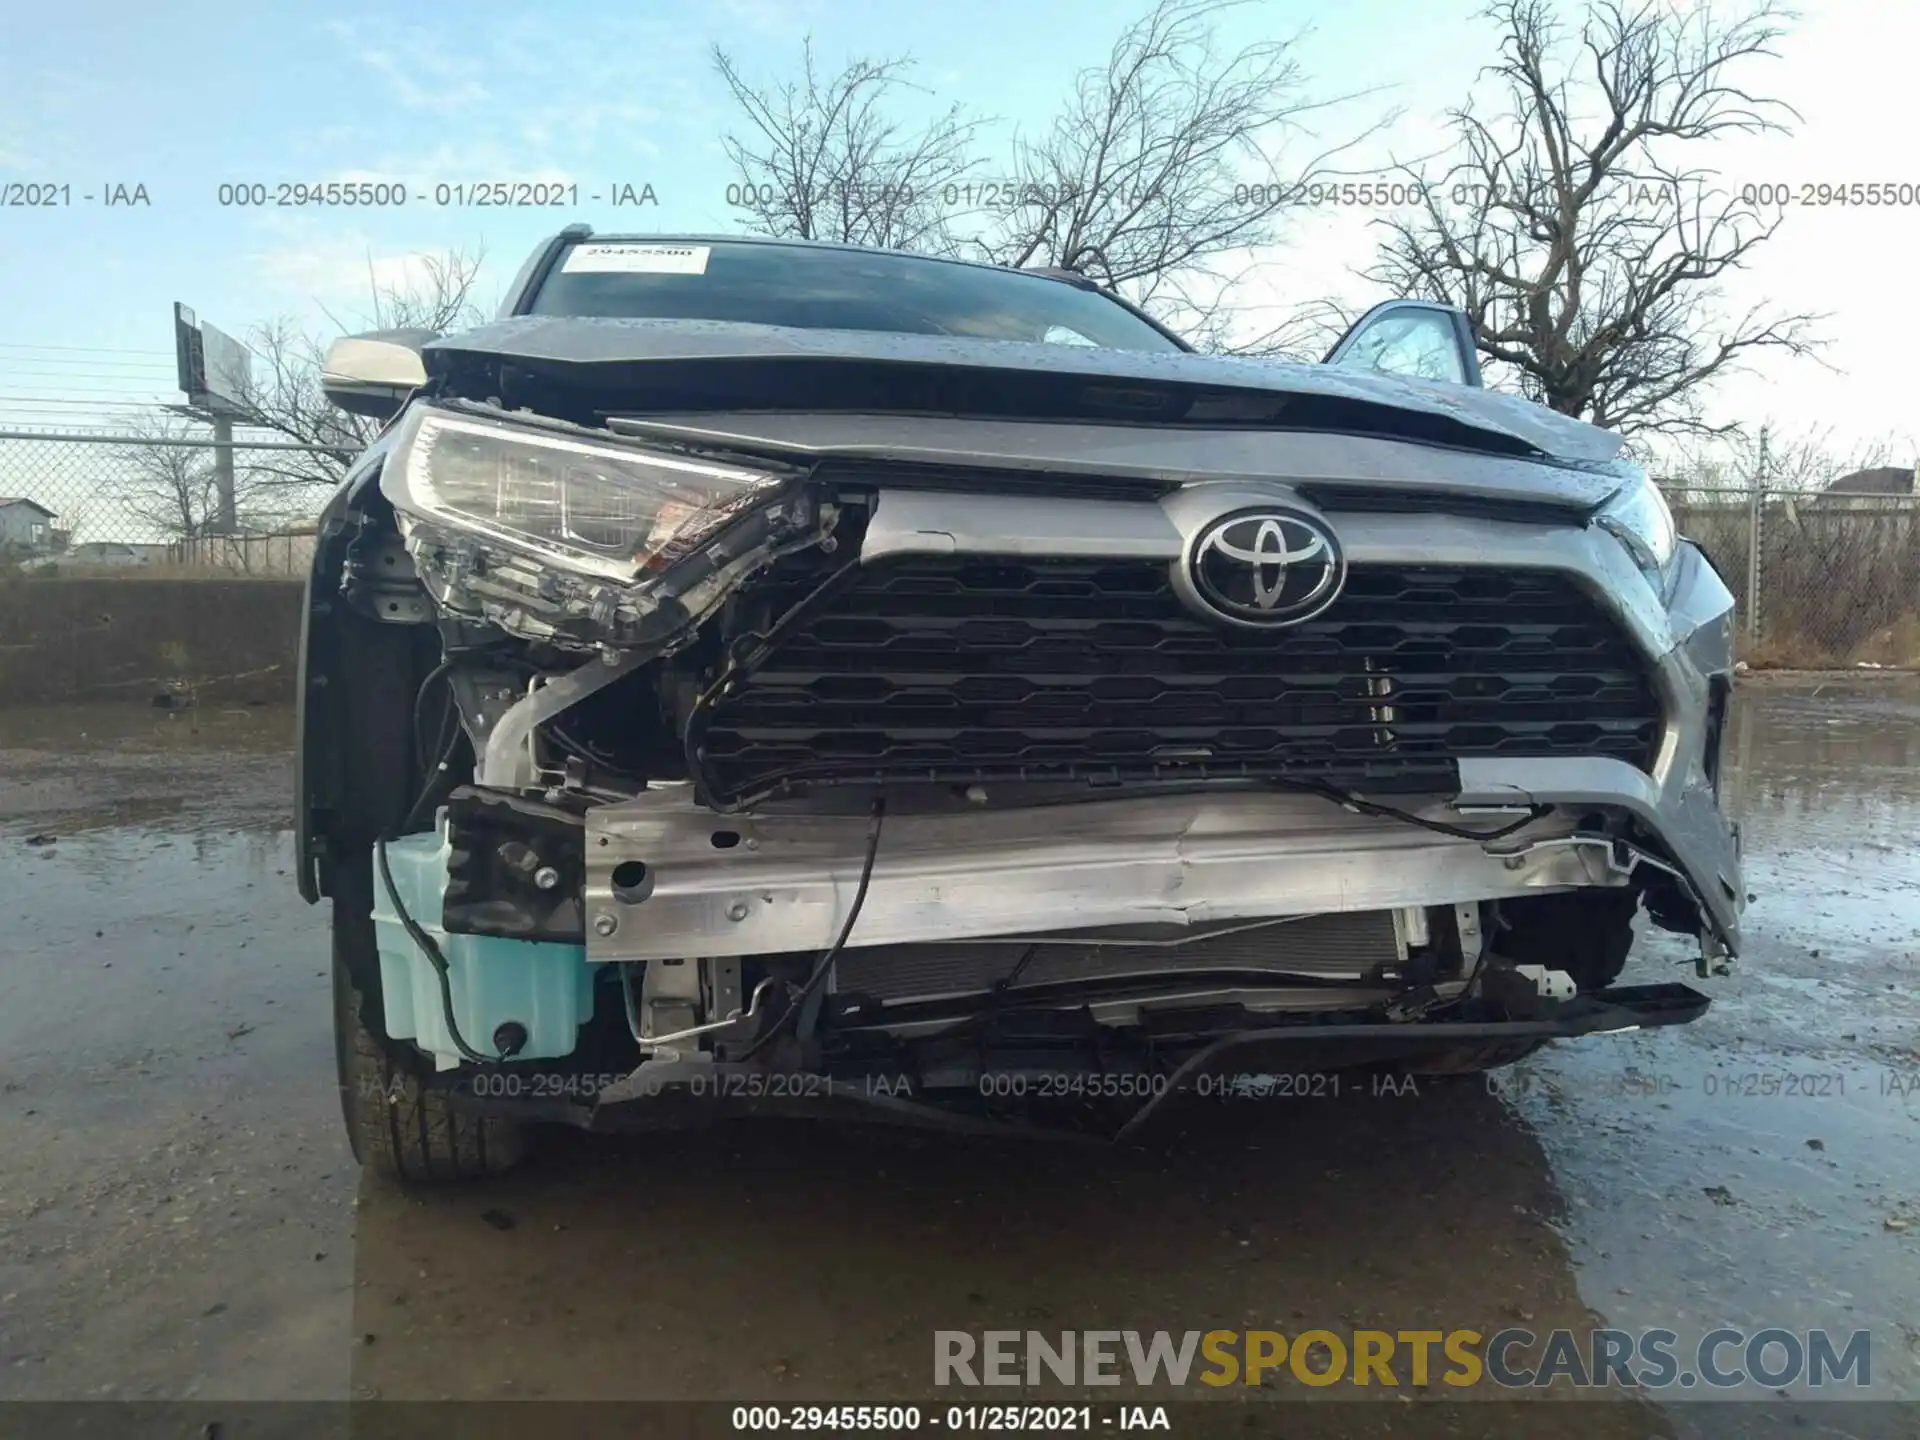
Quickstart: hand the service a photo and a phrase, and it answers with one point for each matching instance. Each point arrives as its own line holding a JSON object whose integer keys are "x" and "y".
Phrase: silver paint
{"x": 1171, "y": 454}
{"x": 576, "y": 341}
{"x": 1162, "y": 860}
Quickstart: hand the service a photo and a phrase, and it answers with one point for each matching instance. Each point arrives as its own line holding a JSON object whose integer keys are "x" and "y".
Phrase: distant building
{"x": 112, "y": 552}
{"x": 97, "y": 555}
{"x": 1878, "y": 480}
{"x": 25, "y": 524}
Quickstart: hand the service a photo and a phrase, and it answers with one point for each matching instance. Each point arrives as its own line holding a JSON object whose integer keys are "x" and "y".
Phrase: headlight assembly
{"x": 554, "y": 534}
{"x": 1638, "y": 516}
{"x": 618, "y": 512}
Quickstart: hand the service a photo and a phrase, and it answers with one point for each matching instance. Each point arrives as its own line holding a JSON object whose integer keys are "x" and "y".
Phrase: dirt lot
{"x": 180, "y": 1218}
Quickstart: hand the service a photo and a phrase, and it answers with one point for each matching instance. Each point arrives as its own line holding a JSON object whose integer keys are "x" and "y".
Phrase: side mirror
{"x": 1416, "y": 338}
{"x": 374, "y": 374}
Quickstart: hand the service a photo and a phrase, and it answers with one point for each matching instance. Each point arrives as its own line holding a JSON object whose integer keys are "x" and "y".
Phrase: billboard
{"x": 214, "y": 369}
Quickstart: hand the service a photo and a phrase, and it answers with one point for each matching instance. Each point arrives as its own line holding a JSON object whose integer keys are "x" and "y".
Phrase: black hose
{"x": 1378, "y": 811}
{"x": 419, "y": 702}
{"x": 746, "y": 654}
{"x": 445, "y": 742}
{"x": 824, "y": 966}
{"x": 432, "y": 952}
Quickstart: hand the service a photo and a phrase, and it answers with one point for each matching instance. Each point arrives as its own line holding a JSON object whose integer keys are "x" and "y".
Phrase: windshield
{"x": 822, "y": 288}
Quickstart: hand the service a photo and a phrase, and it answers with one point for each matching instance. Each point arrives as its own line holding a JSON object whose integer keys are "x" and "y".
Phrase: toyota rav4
{"x": 757, "y": 674}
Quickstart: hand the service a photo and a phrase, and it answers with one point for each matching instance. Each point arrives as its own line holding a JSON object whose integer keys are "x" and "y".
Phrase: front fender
{"x": 350, "y": 762}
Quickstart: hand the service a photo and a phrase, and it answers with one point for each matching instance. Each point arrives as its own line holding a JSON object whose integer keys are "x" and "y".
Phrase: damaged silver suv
{"x": 758, "y": 675}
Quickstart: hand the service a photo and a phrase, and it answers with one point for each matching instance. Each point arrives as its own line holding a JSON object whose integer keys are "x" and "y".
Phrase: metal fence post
{"x": 1756, "y": 509}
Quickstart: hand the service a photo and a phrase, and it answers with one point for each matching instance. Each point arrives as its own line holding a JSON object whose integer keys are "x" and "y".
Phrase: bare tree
{"x": 1163, "y": 171}
{"x": 1796, "y": 463}
{"x": 1167, "y": 164}
{"x": 822, "y": 159}
{"x": 1305, "y": 331}
{"x": 285, "y": 399}
{"x": 169, "y": 486}
{"x": 441, "y": 300}
{"x": 1577, "y": 228}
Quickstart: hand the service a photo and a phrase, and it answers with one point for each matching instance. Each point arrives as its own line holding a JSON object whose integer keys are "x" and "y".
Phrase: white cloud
{"x": 770, "y": 19}
{"x": 425, "y": 80}
{"x": 533, "y": 101}
{"x": 420, "y": 71}
{"x": 336, "y": 273}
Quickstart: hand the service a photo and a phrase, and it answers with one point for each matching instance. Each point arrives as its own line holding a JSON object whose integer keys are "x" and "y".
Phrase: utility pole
{"x": 226, "y": 521}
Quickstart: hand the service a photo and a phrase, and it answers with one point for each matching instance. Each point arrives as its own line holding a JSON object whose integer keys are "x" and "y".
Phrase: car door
{"x": 1416, "y": 338}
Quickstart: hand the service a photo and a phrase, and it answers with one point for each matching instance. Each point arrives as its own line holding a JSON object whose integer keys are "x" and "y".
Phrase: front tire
{"x": 396, "y": 1126}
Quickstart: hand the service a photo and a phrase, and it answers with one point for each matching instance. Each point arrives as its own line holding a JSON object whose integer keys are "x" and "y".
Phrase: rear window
{"x": 820, "y": 288}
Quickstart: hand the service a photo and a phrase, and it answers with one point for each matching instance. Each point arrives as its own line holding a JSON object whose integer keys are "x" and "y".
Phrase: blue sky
{"x": 600, "y": 93}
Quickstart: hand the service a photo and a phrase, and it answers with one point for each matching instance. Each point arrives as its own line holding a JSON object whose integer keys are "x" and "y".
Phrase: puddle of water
{"x": 73, "y": 769}
{"x": 1743, "y": 1170}
{"x": 1738, "y": 1171}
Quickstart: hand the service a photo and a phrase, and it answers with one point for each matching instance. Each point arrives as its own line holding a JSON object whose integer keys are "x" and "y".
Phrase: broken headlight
{"x": 1639, "y": 518}
{"x": 551, "y": 533}
{"x": 594, "y": 507}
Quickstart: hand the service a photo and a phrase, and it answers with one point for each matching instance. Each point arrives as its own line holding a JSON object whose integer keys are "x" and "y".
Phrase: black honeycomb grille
{"x": 969, "y": 668}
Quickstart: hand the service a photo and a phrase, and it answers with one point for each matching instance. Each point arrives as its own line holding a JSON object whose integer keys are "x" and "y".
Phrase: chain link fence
{"x": 71, "y": 501}
{"x": 1824, "y": 579}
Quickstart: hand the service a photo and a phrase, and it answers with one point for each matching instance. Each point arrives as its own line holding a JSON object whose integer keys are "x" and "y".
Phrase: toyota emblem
{"x": 1266, "y": 567}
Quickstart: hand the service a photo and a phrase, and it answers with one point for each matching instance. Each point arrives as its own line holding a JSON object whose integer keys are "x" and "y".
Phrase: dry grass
{"x": 1894, "y": 647}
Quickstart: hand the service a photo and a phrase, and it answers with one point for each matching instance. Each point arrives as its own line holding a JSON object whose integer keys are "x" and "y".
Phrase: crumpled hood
{"x": 1209, "y": 391}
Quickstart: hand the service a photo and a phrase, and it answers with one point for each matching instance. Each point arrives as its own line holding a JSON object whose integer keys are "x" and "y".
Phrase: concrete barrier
{"x": 107, "y": 638}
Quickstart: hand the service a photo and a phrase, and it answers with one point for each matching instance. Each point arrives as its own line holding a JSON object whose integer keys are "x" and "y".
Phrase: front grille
{"x": 963, "y": 668}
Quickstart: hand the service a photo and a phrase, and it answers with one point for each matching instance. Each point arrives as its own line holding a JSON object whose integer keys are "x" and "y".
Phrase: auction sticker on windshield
{"x": 638, "y": 259}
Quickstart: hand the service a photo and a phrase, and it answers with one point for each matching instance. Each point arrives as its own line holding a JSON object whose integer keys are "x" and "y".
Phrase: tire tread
{"x": 396, "y": 1126}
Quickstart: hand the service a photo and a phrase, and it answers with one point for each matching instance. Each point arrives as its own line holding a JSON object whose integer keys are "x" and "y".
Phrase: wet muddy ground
{"x": 180, "y": 1218}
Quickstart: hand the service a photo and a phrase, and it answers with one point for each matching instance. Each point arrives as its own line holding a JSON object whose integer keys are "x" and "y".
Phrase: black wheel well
{"x": 358, "y": 761}
{"x": 1586, "y": 933}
